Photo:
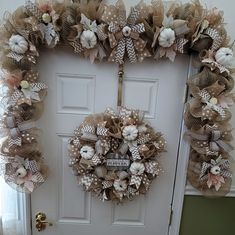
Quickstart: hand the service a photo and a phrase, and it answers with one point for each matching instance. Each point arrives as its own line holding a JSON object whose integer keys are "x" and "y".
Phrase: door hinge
{"x": 171, "y": 217}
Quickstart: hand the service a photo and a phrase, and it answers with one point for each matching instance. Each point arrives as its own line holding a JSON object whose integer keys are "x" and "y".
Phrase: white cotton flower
{"x": 215, "y": 170}
{"x": 130, "y": 132}
{"x": 224, "y": 56}
{"x": 120, "y": 185}
{"x": 137, "y": 168}
{"x": 18, "y": 44}
{"x": 46, "y": 18}
{"x": 166, "y": 37}
{"x": 87, "y": 152}
{"x": 88, "y": 39}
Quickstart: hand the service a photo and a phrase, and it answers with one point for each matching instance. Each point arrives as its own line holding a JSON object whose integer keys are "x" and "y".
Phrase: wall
{"x": 202, "y": 216}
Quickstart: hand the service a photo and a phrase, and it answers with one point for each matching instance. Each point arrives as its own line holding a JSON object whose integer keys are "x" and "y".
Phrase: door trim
{"x": 181, "y": 168}
{"x": 24, "y": 207}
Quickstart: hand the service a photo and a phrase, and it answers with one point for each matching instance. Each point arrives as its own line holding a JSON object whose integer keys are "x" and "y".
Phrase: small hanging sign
{"x": 116, "y": 161}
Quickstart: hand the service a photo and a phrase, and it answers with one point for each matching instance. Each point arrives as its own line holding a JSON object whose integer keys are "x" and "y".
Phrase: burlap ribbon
{"x": 206, "y": 97}
{"x": 33, "y": 178}
{"x": 219, "y": 179}
{"x": 209, "y": 137}
{"x": 124, "y": 33}
{"x": 124, "y": 43}
{"x": 35, "y": 93}
{"x": 15, "y": 129}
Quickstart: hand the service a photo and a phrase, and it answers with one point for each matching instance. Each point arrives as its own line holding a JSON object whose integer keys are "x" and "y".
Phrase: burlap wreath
{"x": 103, "y": 32}
{"x": 115, "y": 155}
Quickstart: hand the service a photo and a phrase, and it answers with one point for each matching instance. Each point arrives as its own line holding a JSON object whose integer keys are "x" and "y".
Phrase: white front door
{"x": 77, "y": 89}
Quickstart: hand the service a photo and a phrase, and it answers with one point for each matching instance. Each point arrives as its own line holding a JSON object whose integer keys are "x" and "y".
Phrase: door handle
{"x": 41, "y": 222}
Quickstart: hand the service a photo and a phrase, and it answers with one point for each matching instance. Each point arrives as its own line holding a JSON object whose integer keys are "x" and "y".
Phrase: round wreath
{"x": 115, "y": 154}
{"x": 103, "y": 32}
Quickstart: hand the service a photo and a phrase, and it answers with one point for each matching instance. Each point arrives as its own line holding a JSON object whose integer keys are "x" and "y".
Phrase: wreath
{"x": 103, "y": 32}
{"x": 115, "y": 154}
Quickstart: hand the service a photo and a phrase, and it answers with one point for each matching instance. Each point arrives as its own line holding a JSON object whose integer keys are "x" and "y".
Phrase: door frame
{"x": 179, "y": 184}
{"x": 24, "y": 213}
{"x": 181, "y": 166}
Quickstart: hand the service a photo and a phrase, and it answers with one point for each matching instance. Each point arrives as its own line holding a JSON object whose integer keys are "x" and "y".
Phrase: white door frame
{"x": 179, "y": 185}
{"x": 24, "y": 218}
{"x": 181, "y": 168}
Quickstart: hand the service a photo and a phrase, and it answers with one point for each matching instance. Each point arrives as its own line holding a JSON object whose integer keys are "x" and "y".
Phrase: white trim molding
{"x": 181, "y": 171}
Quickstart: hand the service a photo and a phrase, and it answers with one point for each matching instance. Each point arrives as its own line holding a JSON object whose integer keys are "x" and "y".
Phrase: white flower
{"x": 130, "y": 132}
{"x": 215, "y": 170}
{"x": 24, "y": 84}
{"x": 87, "y": 152}
{"x": 166, "y": 37}
{"x": 21, "y": 172}
{"x": 126, "y": 31}
{"x": 18, "y": 44}
{"x": 46, "y": 18}
{"x": 224, "y": 56}
{"x": 120, "y": 185}
{"x": 88, "y": 39}
{"x": 31, "y": 91}
{"x": 137, "y": 168}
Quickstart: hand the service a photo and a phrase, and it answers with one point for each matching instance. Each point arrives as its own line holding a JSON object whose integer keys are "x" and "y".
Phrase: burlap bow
{"x": 215, "y": 180}
{"x": 124, "y": 33}
{"x": 209, "y": 140}
{"x": 178, "y": 26}
{"x": 28, "y": 95}
{"x": 14, "y": 128}
{"x": 31, "y": 180}
{"x": 133, "y": 117}
{"x": 207, "y": 99}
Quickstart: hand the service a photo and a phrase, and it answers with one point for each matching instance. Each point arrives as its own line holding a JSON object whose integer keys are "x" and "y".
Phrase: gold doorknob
{"x": 41, "y": 222}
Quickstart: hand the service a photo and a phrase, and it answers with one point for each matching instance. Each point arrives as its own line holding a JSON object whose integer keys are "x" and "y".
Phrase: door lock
{"x": 41, "y": 222}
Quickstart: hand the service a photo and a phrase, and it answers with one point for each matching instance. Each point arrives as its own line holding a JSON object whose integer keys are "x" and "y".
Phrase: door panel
{"x": 77, "y": 89}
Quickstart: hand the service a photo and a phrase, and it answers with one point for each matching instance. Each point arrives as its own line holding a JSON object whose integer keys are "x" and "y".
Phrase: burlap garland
{"x": 118, "y": 38}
